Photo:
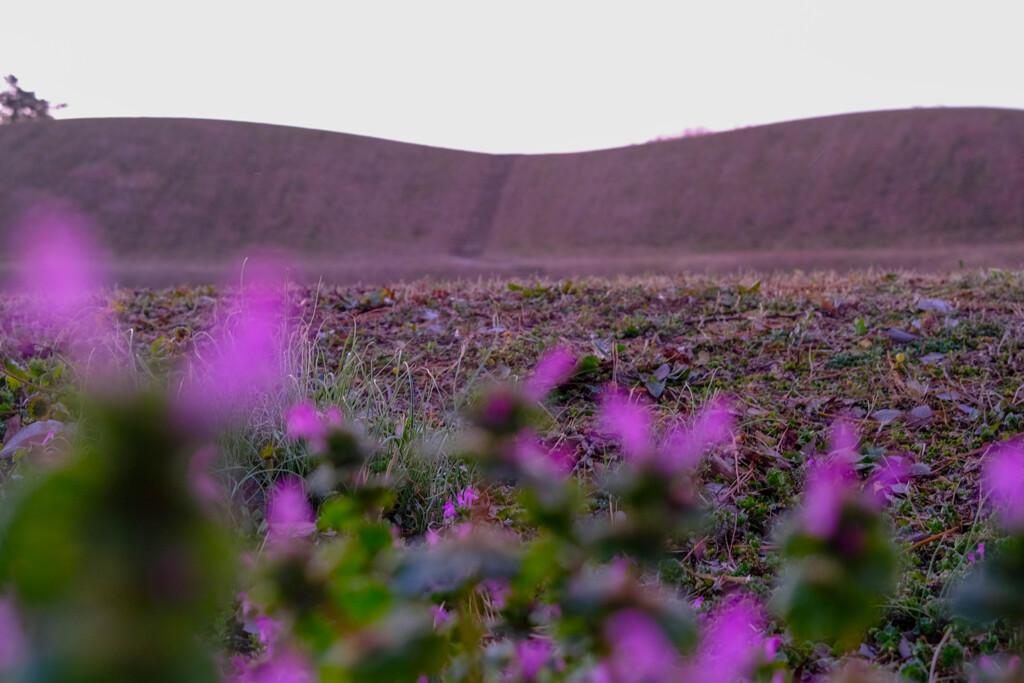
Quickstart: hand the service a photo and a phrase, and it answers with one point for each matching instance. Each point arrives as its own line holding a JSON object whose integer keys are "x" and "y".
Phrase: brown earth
{"x": 182, "y": 200}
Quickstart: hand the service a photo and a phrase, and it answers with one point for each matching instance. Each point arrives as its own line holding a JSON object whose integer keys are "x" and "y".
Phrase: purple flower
{"x": 1004, "y": 479}
{"x": 630, "y": 422}
{"x": 552, "y": 369}
{"x": 12, "y": 642}
{"x": 829, "y": 484}
{"x": 641, "y": 652}
{"x": 541, "y": 460}
{"x": 289, "y": 514}
{"x": 531, "y": 655}
{"x": 199, "y": 479}
{"x": 243, "y": 359}
{"x": 58, "y": 265}
{"x": 891, "y": 471}
{"x": 463, "y": 503}
{"x": 285, "y": 667}
{"x": 732, "y": 643}
{"x": 683, "y": 448}
{"x": 303, "y": 422}
{"x": 497, "y": 590}
{"x": 441, "y": 615}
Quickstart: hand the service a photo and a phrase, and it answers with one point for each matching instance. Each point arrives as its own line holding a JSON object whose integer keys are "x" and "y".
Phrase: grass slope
{"x": 188, "y": 191}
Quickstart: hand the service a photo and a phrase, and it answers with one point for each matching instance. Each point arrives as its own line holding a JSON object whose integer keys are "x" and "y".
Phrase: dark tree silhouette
{"x": 18, "y": 105}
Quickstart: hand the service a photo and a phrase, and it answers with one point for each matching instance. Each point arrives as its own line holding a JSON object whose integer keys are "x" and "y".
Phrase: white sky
{"x": 516, "y": 75}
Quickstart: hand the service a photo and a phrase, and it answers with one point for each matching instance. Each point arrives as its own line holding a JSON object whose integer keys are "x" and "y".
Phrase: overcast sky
{"x": 517, "y": 75}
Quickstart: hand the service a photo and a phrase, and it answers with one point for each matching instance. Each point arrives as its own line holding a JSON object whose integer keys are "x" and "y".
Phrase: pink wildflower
{"x": 243, "y": 359}
{"x": 12, "y": 642}
{"x": 733, "y": 643}
{"x": 1004, "y": 479}
{"x": 978, "y": 555}
{"x": 630, "y": 422}
{"x": 58, "y": 265}
{"x": 285, "y": 667}
{"x": 304, "y": 423}
{"x": 463, "y": 502}
{"x": 199, "y": 479}
{"x": 497, "y": 590}
{"x": 641, "y": 652}
{"x": 540, "y": 459}
{"x": 552, "y": 369}
{"x": 289, "y": 514}
{"x": 441, "y": 615}
{"x": 829, "y": 484}
{"x": 530, "y": 656}
{"x": 683, "y": 448}
{"x": 892, "y": 470}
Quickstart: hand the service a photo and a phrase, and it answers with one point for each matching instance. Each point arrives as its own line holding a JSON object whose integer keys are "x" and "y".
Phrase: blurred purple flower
{"x": 58, "y": 265}
{"x": 825, "y": 492}
{"x": 466, "y": 498}
{"x": 498, "y": 591}
{"x": 199, "y": 479}
{"x": 641, "y": 652}
{"x": 289, "y": 514}
{"x": 303, "y": 422}
{"x": 554, "y": 367}
{"x": 12, "y": 642}
{"x": 977, "y": 556}
{"x": 891, "y": 471}
{"x": 630, "y": 422}
{"x": 683, "y": 448}
{"x": 463, "y": 502}
{"x": 540, "y": 459}
{"x": 441, "y": 615}
{"x": 244, "y": 358}
{"x": 1004, "y": 479}
{"x": 843, "y": 443}
{"x": 733, "y": 643}
{"x": 829, "y": 483}
{"x": 530, "y": 656}
{"x": 285, "y": 667}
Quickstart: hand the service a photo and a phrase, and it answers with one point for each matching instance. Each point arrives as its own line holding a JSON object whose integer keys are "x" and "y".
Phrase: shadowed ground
{"x": 184, "y": 200}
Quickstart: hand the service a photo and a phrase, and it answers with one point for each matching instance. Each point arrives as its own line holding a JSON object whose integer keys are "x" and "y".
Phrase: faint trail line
{"x": 473, "y": 240}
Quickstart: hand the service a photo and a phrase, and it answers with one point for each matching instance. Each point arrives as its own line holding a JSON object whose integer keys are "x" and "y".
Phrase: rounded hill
{"x": 180, "y": 193}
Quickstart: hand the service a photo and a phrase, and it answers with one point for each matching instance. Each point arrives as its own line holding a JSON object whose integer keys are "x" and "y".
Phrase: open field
{"x": 893, "y": 189}
{"x": 927, "y": 368}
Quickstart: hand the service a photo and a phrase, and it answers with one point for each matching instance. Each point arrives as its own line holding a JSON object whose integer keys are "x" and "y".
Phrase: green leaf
{"x": 514, "y": 287}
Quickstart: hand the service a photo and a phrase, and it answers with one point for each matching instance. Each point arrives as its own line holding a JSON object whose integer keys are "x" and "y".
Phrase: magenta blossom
{"x": 541, "y": 460}
{"x": 552, "y": 369}
{"x": 683, "y": 448}
{"x": 630, "y": 422}
{"x": 284, "y": 667}
{"x": 980, "y": 556}
{"x": 1004, "y": 480}
{"x": 441, "y": 615}
{"x": 289, "y": 514}
{"x": 243, "y": 359}
{"x": 12, "y": 642}
{"x": 829, "y": 484}
{"x": 530, "y": 656}
{"x": 733, "y": 644}
{"x": 304, "y": 422}
{"x": 463, "y": 502}
{"x": 641, "y": 652}
{"x": 59, "y": 267}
